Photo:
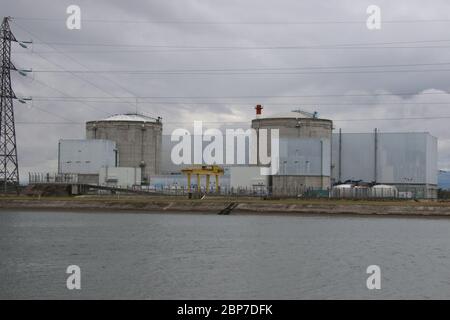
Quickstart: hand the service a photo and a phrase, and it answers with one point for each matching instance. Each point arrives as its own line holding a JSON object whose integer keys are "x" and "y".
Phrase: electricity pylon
{"x": 9, "y": 166}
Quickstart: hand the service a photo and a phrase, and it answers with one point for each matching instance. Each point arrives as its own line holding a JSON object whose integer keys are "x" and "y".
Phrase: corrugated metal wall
{"x": 402, "y": 158}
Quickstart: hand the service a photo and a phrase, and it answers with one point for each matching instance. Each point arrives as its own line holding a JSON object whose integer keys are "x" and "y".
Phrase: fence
{"x": 41, "y": 178}
{"x": 255, "y": 191}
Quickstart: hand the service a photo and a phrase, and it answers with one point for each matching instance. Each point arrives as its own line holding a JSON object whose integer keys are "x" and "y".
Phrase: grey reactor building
{"x": 138, "y": 139}
{"x": 122, "y": 149}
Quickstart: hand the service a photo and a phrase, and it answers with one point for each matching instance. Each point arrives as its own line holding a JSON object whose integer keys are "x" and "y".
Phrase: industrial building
{"x": 127, "y": 151}
{"x": 122, "y": 151}
{"x": 248, "y": 178}
{"x": 122, "y": 177}
{"x": 407, "y": 161}
{"x": 304, "y": 151}
{"x": 93, "y": 162}
{"x": 86, "y": 157}
{"x": 311, "y": 158}
{"x": 138, "y": 139}
{"x": 444, "y": 180}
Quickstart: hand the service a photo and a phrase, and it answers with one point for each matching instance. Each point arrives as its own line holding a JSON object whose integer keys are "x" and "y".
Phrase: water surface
{"x": 191, "y": 256}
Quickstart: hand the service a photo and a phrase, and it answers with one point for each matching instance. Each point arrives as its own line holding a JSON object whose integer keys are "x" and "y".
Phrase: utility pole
{"x": 9, "y": 167}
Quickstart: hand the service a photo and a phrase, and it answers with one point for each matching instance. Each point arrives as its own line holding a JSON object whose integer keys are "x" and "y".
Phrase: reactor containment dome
{"x": 138, "y": 138}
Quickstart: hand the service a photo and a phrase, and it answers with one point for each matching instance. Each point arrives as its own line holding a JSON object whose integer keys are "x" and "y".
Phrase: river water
{"x": 192, "y": 256}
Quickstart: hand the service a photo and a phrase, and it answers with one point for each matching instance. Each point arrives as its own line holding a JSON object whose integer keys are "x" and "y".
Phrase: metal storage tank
{"x": 138, "y": 138}
{"x": 342, "y": 191}
{"x": 305, "y": 151}
{"x": 384, "y": 191}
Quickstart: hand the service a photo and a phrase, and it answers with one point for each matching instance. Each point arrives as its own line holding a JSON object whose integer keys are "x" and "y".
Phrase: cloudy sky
{"x": 213, "y": 60}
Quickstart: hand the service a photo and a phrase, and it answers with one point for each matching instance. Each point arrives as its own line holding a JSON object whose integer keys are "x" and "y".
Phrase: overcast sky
{"x": 256, "y": 42}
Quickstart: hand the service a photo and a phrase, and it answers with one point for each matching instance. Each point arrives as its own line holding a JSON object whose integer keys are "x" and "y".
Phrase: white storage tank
{"x": 383, "y": 191}
{"x": 342, "y": 191}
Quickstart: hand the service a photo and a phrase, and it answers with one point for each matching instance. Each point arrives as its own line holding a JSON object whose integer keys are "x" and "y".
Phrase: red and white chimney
{"x": 258, "y": 111}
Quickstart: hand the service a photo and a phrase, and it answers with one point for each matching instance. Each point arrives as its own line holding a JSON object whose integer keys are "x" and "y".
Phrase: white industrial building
{"x": 86, "y": 156}
{"x": 95, "y": 161}
{"x": 405, "y": 160}
{"x": 248, "y": 178}
{"x": 120, "y": 177}
{"x": 313, "y": 159}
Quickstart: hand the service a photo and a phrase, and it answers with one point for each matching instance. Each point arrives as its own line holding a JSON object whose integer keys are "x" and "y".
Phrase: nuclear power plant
{"x": 129, "y": 152}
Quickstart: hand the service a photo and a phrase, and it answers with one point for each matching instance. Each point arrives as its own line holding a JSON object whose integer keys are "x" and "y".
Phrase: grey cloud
{"x": 37, "y": 143}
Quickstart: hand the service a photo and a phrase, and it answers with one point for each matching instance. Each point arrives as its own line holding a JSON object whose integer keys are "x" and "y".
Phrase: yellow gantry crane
{"x": 207, "y": 171}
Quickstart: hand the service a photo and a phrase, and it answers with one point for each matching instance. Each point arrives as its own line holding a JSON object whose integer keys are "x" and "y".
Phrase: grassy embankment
{"x": 225, "y": 199}
{"x": 214, "y": 205}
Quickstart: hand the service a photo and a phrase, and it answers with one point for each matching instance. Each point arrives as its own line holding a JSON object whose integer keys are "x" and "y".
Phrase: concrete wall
{"x": 139, "y": 143}
{"x": 88, "y": 178}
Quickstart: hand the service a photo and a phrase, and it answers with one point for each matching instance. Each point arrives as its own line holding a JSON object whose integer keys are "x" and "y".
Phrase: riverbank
{"x": 217, "y": 204}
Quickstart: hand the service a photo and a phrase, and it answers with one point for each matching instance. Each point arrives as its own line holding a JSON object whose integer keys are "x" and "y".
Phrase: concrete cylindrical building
{"x": 305, "y": 151}
{"x": 138, "y": 139}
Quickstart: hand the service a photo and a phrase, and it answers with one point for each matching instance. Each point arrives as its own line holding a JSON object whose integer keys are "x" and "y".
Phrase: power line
{"x": 223, "y": 73}
{"x": 220, "y": 70}
{"x": 77, "y": 76}
{"x": 184, "y": 48}
{"x": 248, "y": 122}
{"x": 177, "y": 46}
{"x": 67, "y": 95}
{"x": 52, "y": 113}
{"x": 316, "y": 104}
{"x": 174, "y": 50}
{"x": 329, "y": 95}
{"x": 60, "y": 91}
{"x": 144, "y": 73}
{"x": 266, "y": 23}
